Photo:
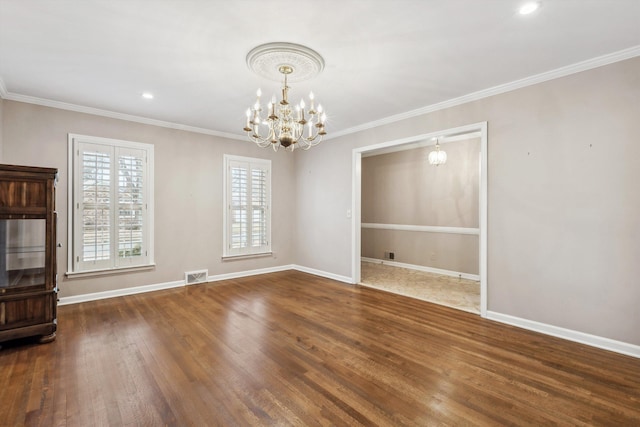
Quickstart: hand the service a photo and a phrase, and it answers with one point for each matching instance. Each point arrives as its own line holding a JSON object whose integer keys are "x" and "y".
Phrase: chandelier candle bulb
{"x": 301, "y": 119}
{"x": 248, "y": 114}
{"x": 258, "y": 93}
{"x": 311, "y": 109}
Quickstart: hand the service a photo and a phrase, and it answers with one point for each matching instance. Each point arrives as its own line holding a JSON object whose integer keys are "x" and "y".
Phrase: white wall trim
{"x": 414, "y": 141}
{"x": 497, "y": 90}
{"x": 356, "y": 214}
{"x": 325, "y": 274}
{"x": 94, "y": 296}
{"x": 247, "y": 273}
{"x": 567, "y": 334}
{"x": 475, "y": 277}
{"x": 114, "y": 115}
{"x": 356, "y": 198}
{"x": 474, "y": 96}
{"x": 482, "y": 215}
{"x": 422, "y": 144}
{"x": 422, "y": 228}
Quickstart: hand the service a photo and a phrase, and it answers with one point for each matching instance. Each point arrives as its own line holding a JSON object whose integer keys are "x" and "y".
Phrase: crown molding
{"x": 496, "y": 90}
{"x": 474, "y": 96}
{"x": 114, "y": 115}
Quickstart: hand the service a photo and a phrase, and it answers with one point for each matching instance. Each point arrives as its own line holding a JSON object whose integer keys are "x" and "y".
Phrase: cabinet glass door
{"x": 22, "y": 252}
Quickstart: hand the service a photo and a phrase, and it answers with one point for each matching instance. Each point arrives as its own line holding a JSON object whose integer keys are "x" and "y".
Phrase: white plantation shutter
{"x": 131, "y": 206}
{"x": 259, "y": 206}
{"x": 247, "y": 200}
{"x": 111, "y": 187}
{"x": 95, "y": 230}
{"x": 238, "y": 206}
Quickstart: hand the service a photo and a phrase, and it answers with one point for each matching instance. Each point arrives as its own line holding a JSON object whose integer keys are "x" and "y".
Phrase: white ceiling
{"x": 383, "y": 57}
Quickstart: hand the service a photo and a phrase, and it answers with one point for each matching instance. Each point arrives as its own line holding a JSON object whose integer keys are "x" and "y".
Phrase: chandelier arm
{"x": 314, "y": 139}
{"x": 261, "y": 142}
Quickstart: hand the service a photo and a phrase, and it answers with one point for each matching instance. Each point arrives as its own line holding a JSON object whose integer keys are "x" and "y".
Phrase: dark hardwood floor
{"x": 294, "y": 349}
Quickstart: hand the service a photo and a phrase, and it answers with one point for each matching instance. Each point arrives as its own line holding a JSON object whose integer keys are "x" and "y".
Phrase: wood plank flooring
{"x": 294, "y": 349}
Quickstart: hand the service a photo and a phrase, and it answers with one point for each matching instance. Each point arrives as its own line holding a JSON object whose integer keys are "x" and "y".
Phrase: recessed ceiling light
{"x": 147, "y": 95}
{"x": 530, "y": 7}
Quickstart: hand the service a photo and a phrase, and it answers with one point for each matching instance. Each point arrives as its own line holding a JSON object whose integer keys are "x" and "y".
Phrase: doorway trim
{"x": 356, "y": 196}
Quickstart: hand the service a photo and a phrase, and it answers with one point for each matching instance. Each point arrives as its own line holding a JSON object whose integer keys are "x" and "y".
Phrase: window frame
{"x": 114, "y": 148}
{"x": 248, "y": 251}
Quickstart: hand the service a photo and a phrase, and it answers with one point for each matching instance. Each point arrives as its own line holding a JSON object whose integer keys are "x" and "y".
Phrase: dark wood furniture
{"x": 28, "y": 289}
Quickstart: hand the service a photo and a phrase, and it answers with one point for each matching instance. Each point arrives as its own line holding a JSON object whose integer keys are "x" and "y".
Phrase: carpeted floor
{"x": 462, "y": 294}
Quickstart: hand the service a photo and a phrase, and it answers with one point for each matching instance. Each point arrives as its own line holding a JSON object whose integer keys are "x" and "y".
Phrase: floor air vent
{"x": 200, "y": 276}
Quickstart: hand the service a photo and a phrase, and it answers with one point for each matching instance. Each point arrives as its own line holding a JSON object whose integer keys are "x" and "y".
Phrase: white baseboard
{"x": 321, "y": 273}
{"x": 94, "y": 296}
{"x": 474, "y": 277}
{"x": 567, "y": 334}
{"x": 119, "y": 292}
{"x": 247, "y": 273}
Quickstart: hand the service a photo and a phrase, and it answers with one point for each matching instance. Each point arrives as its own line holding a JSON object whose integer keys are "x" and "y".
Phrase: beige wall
{"x": 563, "y": 203}
{"x": 188, "y": 191}
{"x": 453, "y": 252}
{"x": 402, "y": 188}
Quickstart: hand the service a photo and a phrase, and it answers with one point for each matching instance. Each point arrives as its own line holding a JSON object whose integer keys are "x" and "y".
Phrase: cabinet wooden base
{"x": 44, "y": 332}
{"x": 44, "y": 339}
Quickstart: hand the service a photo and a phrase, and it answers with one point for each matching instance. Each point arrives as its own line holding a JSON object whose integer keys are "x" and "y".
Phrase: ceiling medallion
{"x": 266, "y": 59}
{"x": 280, "y": 127}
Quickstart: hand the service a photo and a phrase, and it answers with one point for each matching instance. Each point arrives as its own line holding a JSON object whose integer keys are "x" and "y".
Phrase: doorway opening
{"x": 406, "y": 232}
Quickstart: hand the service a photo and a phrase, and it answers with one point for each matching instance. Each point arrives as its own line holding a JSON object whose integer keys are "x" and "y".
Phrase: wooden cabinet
{"x": 28, "y": 289}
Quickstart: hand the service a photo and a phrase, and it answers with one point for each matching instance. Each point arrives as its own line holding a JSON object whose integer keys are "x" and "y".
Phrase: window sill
{"x": 247, "y": 256}
{"x": 104, "y": 272}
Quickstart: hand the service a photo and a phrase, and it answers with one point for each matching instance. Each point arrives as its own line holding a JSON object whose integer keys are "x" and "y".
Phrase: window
{"x": 247, "y": 200}
{"x": 110, "y": 204}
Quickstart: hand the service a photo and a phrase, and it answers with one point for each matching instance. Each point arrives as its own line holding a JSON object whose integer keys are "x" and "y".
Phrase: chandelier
{"x": 279, "y": 124}
{"x": 437, "y": 157}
